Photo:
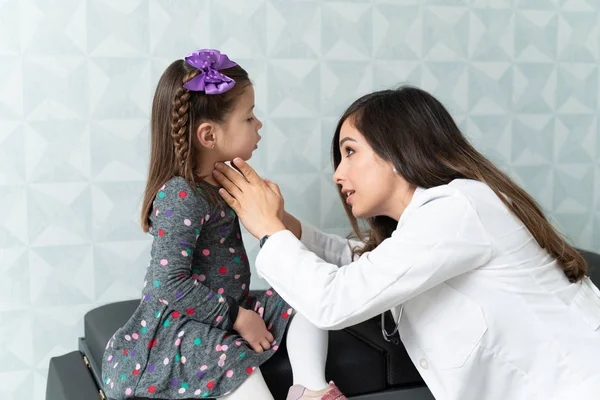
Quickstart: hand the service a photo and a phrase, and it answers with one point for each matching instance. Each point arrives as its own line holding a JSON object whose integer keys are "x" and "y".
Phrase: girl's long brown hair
{"x": 176, "y": 114}
{"x": 411, "y": 129}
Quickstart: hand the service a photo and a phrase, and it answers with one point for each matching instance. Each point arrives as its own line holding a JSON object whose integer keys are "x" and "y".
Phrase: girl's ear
{"x": 207, "y": 135}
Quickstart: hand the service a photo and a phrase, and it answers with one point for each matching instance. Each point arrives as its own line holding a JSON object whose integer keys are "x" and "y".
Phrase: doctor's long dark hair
{"x": 411, "y": 129}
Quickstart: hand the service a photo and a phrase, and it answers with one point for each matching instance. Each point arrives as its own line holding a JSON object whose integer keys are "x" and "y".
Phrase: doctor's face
{"x": 369, "y": 184}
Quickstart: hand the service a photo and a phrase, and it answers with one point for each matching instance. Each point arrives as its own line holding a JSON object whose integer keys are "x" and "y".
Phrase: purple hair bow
{"x": 210, "y": 80}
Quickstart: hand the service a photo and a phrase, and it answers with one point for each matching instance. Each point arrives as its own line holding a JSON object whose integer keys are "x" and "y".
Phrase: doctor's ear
{"x": 206, "y": 134}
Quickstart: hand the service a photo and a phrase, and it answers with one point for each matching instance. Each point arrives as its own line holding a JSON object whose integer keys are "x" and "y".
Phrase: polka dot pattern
{"x": 198, "y": 263}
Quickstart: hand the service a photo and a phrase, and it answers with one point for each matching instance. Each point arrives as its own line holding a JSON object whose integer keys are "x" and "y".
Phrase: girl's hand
{"x": 252, "y": 328}
{"x": 258, "y": 204}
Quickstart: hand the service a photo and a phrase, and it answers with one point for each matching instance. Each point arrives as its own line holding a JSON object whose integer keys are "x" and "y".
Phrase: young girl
{"x": 197, "y": 332}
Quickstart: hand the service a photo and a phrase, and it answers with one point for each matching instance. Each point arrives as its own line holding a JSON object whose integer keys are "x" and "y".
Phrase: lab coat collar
{"x": 418, "y": 191}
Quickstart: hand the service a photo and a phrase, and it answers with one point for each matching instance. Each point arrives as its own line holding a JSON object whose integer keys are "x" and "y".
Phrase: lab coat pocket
{"x": 449, "y": 325}
{"x": 587, "y": 303}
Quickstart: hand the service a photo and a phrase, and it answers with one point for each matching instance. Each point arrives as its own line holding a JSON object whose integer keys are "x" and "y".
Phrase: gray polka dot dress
{"x": 180, "y": 343}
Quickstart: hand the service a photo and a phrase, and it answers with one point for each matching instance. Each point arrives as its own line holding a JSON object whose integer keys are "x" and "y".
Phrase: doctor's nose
{"x": 338, "y": 176}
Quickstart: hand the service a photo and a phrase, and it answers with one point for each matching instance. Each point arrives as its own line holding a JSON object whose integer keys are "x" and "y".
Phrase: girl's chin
{"x": 244, "y": 157}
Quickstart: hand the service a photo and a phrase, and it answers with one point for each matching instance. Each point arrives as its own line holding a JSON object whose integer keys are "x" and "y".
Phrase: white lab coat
{"x": 485, "y": 313}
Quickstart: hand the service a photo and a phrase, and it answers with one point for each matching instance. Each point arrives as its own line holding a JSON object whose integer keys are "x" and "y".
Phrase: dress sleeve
{"x": 176, "y": 223}
{"x": 441, "y": 238}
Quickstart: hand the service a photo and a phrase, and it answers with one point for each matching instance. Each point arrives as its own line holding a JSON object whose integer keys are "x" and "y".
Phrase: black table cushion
{"x": 69, "y": 378}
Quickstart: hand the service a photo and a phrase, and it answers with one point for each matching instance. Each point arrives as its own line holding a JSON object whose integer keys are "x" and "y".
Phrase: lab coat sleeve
{"x": 441, "y": 237}
{"x": 331, "y": 248}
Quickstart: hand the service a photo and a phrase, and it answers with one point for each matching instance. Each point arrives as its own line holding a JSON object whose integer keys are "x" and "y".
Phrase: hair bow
{"x": 210, "y": 80}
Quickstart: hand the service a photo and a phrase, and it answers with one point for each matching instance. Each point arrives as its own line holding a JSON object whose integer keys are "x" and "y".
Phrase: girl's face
{"x": 369, "y": 184}
{"x": 239, "y": 134}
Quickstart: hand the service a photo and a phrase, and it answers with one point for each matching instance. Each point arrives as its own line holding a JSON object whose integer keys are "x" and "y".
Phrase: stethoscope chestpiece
{"x": 393, "y": 336}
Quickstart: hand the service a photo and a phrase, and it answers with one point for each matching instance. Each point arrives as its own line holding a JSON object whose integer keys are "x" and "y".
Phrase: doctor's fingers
{"x": 274, "y": 187}
{"x": 227, "y": 184}
{"x": 231, "y": 175}
{"x": 246, "y": 170}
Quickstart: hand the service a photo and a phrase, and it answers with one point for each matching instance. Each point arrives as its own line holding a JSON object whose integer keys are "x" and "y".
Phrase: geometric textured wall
{"x": 76, "y": 80}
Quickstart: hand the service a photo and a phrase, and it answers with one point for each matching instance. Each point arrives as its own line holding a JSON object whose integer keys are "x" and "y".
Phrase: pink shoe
{"x": 299, "y": 392}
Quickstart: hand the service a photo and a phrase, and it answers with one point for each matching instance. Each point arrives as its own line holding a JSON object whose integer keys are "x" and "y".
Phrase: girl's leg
{"x": 307, "y": 350}
{"x": 253, "y": 388}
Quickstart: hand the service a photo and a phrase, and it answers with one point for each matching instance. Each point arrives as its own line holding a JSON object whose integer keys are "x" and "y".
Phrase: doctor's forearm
{"x": 292, "y": 224}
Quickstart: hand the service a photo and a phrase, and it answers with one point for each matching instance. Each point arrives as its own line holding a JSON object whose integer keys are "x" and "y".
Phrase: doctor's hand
{"x": 274, "y": 187}
{"x": 258, "y": 203}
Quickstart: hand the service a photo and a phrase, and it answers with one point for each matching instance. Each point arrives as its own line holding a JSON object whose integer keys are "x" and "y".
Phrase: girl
{"x": 197, "y": 332}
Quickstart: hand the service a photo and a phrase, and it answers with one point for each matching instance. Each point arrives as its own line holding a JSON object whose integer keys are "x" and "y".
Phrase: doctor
{"x": 490, "y": 301}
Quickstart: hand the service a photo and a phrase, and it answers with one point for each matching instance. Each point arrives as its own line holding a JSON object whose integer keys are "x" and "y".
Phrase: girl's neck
{"x": 204, "y": 172}
{"x": 211, "y": 181}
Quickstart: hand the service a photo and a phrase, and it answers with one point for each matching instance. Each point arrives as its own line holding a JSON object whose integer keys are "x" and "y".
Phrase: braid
{"x": 180, "y": 130}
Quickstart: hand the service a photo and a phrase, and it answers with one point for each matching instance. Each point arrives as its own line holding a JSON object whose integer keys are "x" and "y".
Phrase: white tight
{"x": 253, "y": 388}
{"x": 307, "y": 350}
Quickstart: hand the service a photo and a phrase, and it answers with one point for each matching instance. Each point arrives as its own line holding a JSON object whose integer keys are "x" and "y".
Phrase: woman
{"x": 490, "y": 301}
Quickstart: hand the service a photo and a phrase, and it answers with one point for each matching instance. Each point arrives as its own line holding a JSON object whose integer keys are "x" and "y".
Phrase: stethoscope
{"x": 389, "y": 337}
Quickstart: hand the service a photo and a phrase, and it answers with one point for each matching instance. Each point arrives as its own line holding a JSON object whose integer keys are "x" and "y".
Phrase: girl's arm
{"x": 177, "y": 221}
{"x": 440, "y": 238}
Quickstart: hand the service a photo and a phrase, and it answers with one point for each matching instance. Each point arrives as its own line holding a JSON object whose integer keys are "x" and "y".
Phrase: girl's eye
{"x": 349, "y": 151}
{"x": 250, "y": 119}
